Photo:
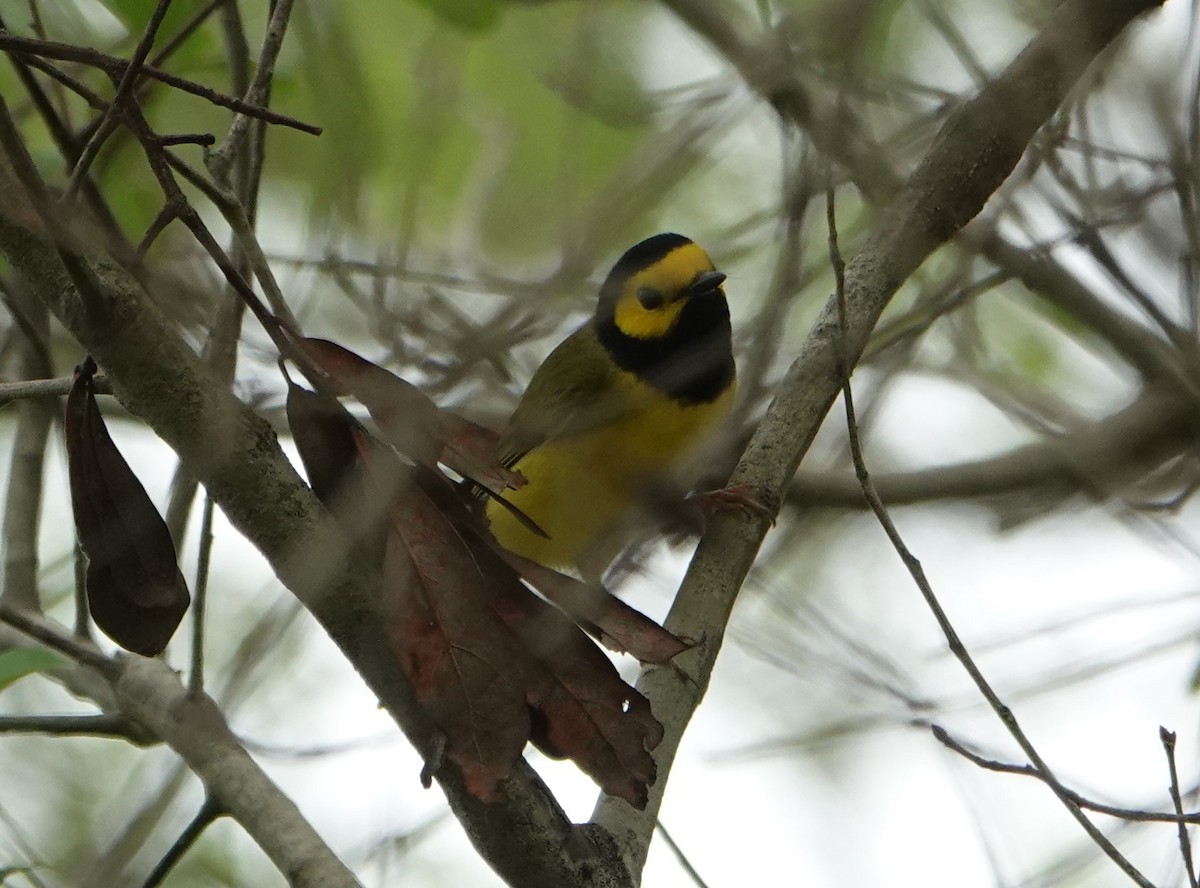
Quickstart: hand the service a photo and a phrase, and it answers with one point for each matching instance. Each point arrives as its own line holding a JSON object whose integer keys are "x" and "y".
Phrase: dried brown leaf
{"x": 622, "y": 628}
{"x": 135, "y": 591}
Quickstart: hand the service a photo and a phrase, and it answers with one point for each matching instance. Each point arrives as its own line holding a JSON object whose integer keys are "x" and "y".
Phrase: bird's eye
{"x": 650, "y": 298}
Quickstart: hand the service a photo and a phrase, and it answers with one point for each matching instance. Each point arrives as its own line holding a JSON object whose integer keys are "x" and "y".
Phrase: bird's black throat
{"x": 692, "y": 364}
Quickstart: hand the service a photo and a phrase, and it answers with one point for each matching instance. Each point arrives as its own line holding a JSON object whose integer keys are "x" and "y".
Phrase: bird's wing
{"x": 576, "y": 389}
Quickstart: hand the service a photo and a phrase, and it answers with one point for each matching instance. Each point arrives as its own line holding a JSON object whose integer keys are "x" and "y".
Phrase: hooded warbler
{"x": 618, "y": 405}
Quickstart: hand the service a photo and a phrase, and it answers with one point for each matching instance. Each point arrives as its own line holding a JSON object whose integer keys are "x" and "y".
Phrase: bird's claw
{"x": 737, "y": 497}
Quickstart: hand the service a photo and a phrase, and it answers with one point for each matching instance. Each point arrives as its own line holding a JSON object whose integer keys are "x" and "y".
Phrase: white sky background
{"x": 885, "y": 806}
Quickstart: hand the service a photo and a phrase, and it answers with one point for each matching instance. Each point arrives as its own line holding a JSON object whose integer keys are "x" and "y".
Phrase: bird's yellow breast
{"x": 582, "y": 487}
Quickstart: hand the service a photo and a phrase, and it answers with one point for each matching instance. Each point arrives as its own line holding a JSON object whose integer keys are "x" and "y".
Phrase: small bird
{"x": 618, "y": 405}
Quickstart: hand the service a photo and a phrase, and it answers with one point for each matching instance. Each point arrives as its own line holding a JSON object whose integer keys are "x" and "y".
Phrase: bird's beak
{"x": 706, "y": 283}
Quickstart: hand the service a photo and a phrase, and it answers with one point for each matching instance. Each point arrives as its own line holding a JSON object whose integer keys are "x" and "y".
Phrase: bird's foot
{"x": 735, "y": 498}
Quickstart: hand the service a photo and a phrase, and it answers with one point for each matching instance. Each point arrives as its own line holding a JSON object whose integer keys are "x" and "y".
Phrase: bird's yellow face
{"x": 619, "y": 405}
{"x": 652, "y": 298}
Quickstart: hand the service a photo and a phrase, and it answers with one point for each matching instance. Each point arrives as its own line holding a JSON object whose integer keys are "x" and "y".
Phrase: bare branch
{"x": 974, "y": 152}
{"x": 90, "y": 725}
{"x": 41, "y": 629}
{"x": 108, "y": 122}
{"x": 1185, "y": 842}
{"x": 681, "y": 857}
{"x": 200, "y": 600}
{"x": 207, "y": 814}
{"x": 526, "y": 838}
{"x": 45, "y": 388}
{"x": 117, "y": 66}
{"x": 1133, "y": 815}
{"x": 149, "y": 693}
{"x": 1006, "y": 715}
{"x": 221, "y": 160}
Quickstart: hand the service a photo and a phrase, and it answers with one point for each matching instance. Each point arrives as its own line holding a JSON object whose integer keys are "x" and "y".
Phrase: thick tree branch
{"x": 149, "y": 694}
{"x": 527, "y": 838}
{"x": 975, "y": 151}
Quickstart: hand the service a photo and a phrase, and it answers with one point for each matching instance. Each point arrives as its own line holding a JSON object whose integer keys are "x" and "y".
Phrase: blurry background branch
{"x": 974, "y": 152}
{"x": 1114, "y": 456}
{"x": 479, "y": 163}
{"x": 235, "y": 455}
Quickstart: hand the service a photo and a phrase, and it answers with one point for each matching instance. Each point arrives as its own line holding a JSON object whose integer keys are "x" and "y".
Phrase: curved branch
{"x": 151, "y": 696}
{"x": 527, "y": 838}
{"x": 150, "y": 693}
{"x": 974, "y": 152}
{"x": 845, "y": 138}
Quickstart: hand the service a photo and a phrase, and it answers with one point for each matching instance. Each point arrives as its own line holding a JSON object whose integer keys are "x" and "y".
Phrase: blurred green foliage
{"x": 16, "y": 663}
{"x": 446, "y": 124}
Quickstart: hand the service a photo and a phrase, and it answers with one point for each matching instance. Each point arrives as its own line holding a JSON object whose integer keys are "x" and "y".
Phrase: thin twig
{"x": 220, "y": 161}
{"x": 54, "y": 638}
{"x": 680, "y": 856}
{"x": 59, "y": 127}
{"x": 82, "y": 628}
{"x": 104, "y": 725}
{"x": 1185, "y": 841}
{"x": 165, "y": 216}
{"x": 169, "y": 48}
{"x": 113, "y": 65}
{"x": 196, "y": 676}
{"x": 321, "y": 750}
{"x": 1133, "y": 815}
{"x": 189, "y": 28}
{"x": 281, "y": 327}
{"x": 767, "y": 328}
{"x": 57, "y": 74}
{"x": 235, "y": 214}
{"x": 1094, "y": 459}
{"x": 203, "y": 139}
{"x": 15, "y": 827}
{"x": 133, "y": 826}
{"x": 209, "y": 812}
{"x": 918, "y": 574}
{"x": 108, "y": 122}
{"x": 14, "y": 150}
{"x": 46, "y": 388}
{"x": 220, "y": 350}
